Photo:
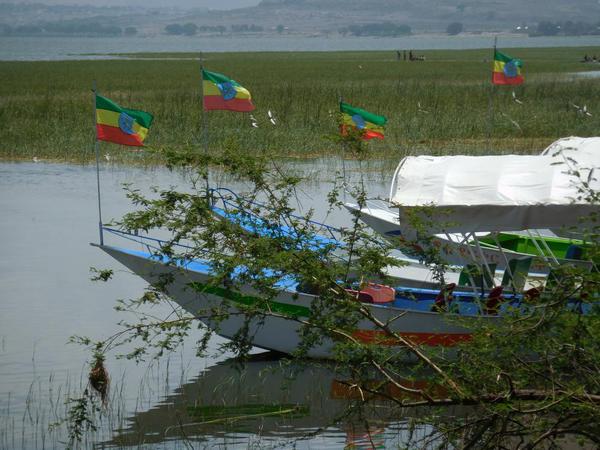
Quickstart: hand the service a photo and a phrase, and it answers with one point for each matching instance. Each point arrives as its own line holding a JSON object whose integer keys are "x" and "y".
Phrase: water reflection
{"x": 49, "y": 217}
{"x": 270, "y": 402}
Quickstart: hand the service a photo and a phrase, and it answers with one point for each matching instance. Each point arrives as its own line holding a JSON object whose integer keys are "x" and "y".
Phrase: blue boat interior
{"x": 235, "y": 212}
{"x": 465, "y": 303}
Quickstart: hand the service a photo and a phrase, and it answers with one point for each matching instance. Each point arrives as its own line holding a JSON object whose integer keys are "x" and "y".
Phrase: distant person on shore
{"x": 398, "y": 55}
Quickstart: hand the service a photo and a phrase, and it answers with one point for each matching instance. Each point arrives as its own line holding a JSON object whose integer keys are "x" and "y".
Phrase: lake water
{"x": 48, "y": 218}
{"x": 58, "y": 48}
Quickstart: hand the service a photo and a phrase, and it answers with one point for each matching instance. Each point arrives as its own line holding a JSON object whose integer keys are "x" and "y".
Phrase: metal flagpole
{"x": 343, "y": 153}
{"x": 101, "y": 231}
{"x": 204, "y": 122}
{"x": 491, "y": 102}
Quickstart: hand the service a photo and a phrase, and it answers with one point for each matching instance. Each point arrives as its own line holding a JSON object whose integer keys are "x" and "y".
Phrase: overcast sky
{"x": 212, "y": 4}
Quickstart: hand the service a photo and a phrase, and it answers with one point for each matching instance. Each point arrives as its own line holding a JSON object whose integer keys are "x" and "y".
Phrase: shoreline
{"x": 42, "y": 48}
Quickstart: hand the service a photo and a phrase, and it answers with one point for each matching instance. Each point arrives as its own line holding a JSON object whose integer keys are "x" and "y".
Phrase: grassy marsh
{"x": 441, "y": 104}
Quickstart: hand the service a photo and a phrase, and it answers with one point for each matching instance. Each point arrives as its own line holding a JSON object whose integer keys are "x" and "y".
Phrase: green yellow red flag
{"x": 370, "y": 125}
{"x": 507, "y": 70}
{"x": 222, "y": 93}
{"x": 121, "y": 125}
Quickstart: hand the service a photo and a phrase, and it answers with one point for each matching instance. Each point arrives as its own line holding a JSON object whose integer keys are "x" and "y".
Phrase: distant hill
{"x": 312, "y": 17}
{"x": 434, "y": 15}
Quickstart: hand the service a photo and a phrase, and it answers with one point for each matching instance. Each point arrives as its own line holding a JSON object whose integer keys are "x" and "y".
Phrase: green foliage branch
{"x": 528, "y": 380}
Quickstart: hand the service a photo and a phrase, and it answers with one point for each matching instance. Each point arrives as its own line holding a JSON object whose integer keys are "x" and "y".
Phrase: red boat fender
{"x": 374, "y": 293}
{"x": 380, "y": 292}
{"x": 494, "y": 299}
{"x": 444, "y": 297}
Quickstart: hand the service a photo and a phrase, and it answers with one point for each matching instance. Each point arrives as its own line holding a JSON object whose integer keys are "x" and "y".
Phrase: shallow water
{"x": 589, "y": 74}
{"x": 61, "y": 48}
{"x": 48, "y": 219}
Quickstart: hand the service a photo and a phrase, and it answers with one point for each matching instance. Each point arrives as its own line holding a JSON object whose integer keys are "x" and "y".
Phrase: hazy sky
{"x": 212, "y": 4}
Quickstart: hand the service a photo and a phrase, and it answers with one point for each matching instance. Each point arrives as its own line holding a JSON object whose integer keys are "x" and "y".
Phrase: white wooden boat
{"x": 191, "y": 288}
{"x": 410, "y": 316}
{"x": 458, "y": 199}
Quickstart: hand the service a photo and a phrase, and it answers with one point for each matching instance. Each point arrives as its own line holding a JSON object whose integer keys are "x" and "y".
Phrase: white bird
{"x": 107, "y": 156}
{"x": 514, "y": 122}
{"x": 582, "y": 110}
{"x": 514, "y": 96}
{"x": 253, "y": 121}
{"x": 359, "y": 66}
{"x": 421, "y": 109}
{"x": 271, "y": 117}
{"x": 36, "y": 159}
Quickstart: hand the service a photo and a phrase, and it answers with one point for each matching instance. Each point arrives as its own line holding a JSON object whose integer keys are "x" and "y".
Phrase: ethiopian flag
{"x": 121, "y": 125}
{"x": 507, "y": 70}
{"x": 371, "y": 125}
{"x": 221, "y": 92}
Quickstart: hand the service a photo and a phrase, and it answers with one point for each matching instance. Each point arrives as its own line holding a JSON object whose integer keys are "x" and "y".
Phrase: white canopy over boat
{"x": 586, "y": 151}
{"x": 499, "y": 193}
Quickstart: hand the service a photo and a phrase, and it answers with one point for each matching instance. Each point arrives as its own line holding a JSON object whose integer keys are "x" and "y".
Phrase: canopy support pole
{"x": 541, "y": 252}
{"x": 204, "y": 127}
{"x": 545, "y": 244}
{"x": 508, "y": 269}
{"x": 465, "y": 242}
{"x": 485, "y": 263}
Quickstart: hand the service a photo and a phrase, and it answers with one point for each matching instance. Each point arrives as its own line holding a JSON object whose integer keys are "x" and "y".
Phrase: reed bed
{"x": 442, "y": 105}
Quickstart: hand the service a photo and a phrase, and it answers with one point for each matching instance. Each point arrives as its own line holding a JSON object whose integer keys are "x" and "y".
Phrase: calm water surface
{"x": 48, "y": 218}
{"x": 59, "y": 48}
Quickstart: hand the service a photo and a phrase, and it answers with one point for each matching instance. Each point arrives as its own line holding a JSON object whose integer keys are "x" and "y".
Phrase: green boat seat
{"x": 574, "y": 252}
{"x": 519, "y": 268}
{"x": 472, "y": 273}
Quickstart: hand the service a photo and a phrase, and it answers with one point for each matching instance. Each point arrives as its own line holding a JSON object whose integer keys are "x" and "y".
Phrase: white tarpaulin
{"x": 500, "y": 193}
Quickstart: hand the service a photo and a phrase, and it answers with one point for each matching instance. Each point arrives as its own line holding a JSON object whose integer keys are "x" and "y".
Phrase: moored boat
{"x": 489, "y": 209}
{"x": 191, "y": 286}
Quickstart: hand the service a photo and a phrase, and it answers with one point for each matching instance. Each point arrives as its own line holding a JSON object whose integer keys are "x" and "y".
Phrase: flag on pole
{"x": 371, "y": 125}
{"x": 224, "y": 93}
{"x": 121, "y": 125}
{"x": 507, "y": 70}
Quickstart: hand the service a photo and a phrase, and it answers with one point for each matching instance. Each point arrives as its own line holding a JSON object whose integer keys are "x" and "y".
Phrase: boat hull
{"x": 456, "y": 252}
{"x": 281, "y": 331}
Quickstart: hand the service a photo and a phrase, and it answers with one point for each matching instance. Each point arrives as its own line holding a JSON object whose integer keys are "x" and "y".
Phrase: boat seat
{"x": 557, "y": 279}
{"x": 519, "y": 269}
{"x": 574, "y": 252}
{"x": 478, "y": 275}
